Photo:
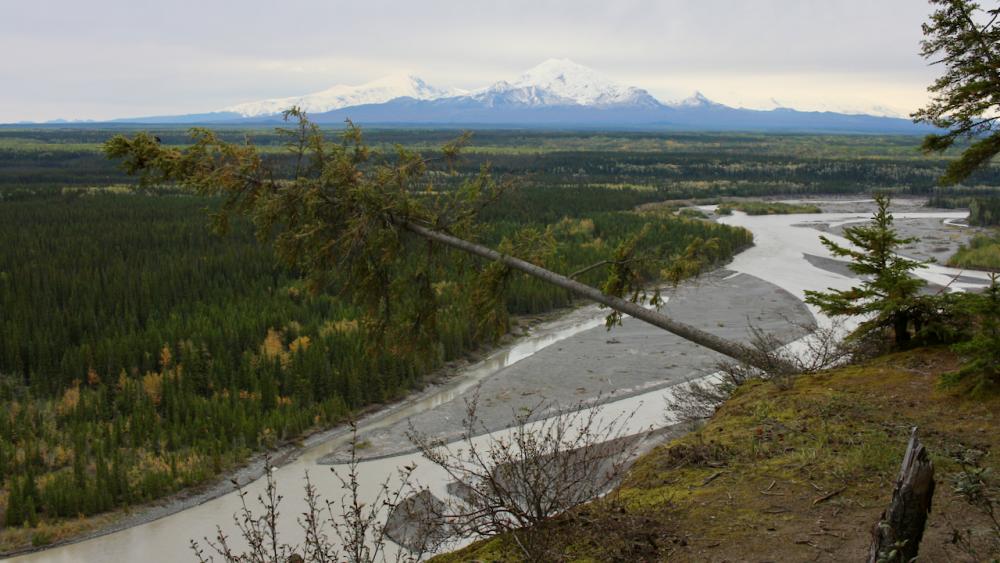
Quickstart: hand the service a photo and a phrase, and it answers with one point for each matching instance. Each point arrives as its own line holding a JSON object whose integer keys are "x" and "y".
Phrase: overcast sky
{"x": 101, "y": 59}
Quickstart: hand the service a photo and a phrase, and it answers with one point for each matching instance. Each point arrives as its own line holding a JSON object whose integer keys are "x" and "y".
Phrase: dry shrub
{"x": 518, "y": 481}
{"x": 822, "y": 348}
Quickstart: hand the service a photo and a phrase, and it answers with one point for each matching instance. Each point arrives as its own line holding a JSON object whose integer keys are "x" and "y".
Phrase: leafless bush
{"x": 695, "y": 401}
{"x": 523, "y": 476}
{"x": 350, "y": 530}
{"x": 822, "y": 348}
{"x": 977, "y": 486}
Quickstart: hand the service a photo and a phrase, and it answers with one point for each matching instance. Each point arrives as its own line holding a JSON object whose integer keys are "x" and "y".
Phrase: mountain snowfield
{"x": 555, "y": 82}
{"x": 556, "y": 93}
{"x": 342, "y": 96}
{"x": 563, "y": 82}
{"x": 698, "y": 100}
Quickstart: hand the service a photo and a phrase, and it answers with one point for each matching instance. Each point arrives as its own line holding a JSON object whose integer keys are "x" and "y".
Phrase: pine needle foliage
{"x": 965, "y": 39}
{"x": 981, "y": 369}
{"x": 887, "y": 296}
{"x": 336, "y": 216}
{"x": 344, "y": 215}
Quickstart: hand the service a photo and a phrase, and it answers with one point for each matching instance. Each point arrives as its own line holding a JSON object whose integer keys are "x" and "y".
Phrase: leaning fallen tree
{"x": 623, "y": 306}
{"x": 344, "y": 215}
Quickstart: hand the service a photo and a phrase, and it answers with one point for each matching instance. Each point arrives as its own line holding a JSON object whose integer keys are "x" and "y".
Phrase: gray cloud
{"x": 113, "y": 58}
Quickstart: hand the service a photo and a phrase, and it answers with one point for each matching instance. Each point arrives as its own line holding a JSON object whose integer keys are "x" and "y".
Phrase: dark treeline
{"x": 983, "y": 203}
{"x": 984, "y": 212}
{"x": 678, "y": 165}
{"x": 142, "y": 353}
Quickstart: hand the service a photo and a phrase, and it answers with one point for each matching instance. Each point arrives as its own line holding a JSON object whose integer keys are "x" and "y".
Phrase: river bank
{"x": 936, "y": 240}
{"x": 628, "y": 362}
{"x": 599, "y": 366}
{"x": 793, "y": 474}
{"x": 252, "y": 469}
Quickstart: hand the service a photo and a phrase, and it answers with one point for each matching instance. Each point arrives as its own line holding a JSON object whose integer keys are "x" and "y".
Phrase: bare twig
{"x": 827, "y": 496}
{"x": 533, "y": 471}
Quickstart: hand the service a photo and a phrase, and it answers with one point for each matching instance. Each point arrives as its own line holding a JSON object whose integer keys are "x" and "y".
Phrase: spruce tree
{"x": 982, "y": 350}
{"x": 965, "y": 100}
{"x": 887, "y": 294}
{"x": 14, "y": 515}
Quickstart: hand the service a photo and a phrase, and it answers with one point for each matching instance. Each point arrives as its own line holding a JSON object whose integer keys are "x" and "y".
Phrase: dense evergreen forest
{"x": 143, "y": 353}
{"x": 140, "y": 353}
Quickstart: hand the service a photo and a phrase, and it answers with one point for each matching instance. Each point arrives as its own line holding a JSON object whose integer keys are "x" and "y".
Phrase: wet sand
{"x": 938, "y": 239}
{"x": 839, "y": 267}
{"x": 599, "y": 366}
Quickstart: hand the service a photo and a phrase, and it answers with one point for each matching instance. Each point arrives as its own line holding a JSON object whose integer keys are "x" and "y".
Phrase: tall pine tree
{"x": 887, "y": 294}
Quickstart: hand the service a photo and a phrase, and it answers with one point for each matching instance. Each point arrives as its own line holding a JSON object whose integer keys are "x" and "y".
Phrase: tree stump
{"x": 897, "y": 535}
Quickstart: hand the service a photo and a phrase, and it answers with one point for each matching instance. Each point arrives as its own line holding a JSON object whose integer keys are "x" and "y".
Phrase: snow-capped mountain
{"x": 875, "y": 110}
{"x": 342, "y": 95}
{"x": 696, "y": 100}
{"x": 562, "y": 82}
{"x": 556, "y": 93}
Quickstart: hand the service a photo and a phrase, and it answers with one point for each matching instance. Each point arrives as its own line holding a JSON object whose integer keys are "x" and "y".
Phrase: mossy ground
{"x": 797, "y": 474}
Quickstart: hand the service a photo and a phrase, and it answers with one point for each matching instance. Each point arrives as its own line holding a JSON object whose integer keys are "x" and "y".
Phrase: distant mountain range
{"x": 555, "y": 94}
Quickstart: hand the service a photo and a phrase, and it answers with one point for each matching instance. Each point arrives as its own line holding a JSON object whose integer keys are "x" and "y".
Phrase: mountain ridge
{"x": 554, "y": 93}
{"x": 343, "y": 95}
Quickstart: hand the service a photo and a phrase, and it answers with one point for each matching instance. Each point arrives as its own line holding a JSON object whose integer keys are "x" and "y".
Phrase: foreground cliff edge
{"x": 790, "y": 475}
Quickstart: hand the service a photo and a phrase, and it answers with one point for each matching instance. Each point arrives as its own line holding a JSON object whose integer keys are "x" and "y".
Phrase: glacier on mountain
{"x": 563, "y": 82}
{"x": 555, "y": 93}
{"x": 342, "y": 95}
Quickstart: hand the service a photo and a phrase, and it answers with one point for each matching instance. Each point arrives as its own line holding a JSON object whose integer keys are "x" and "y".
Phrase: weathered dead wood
{"x": 897, "y": 535}
{"x": 827, "y": 496}
{"x": 712, "y": 477}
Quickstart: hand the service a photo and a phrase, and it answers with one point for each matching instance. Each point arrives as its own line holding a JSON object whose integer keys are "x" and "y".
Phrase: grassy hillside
{"x": 788, "y": 475}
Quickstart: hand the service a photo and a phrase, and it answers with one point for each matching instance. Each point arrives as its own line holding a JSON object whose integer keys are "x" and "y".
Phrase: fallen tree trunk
{"x": 314, "y": 212}
{"x": 729, "y": 348}
{"x": 897, "y": 534}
